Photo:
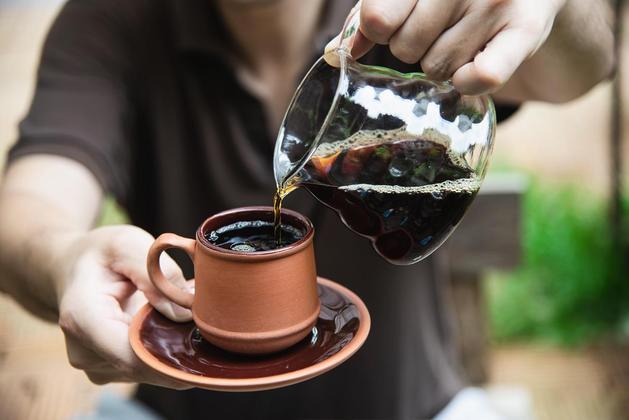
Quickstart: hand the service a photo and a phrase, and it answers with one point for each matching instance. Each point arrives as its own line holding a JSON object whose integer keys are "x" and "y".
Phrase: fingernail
{"x": 330, "y": 55}
{"x": 332, "y": 45}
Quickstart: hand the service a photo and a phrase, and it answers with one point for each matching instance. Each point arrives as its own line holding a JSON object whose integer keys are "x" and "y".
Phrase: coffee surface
{"x": 253, "y": 236}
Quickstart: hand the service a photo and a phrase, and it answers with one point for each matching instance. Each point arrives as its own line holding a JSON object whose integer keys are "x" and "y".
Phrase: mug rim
{"x": 257, "y": 255}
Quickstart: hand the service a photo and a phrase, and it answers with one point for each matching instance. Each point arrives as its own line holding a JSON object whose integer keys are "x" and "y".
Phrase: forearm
{"x": 576, "y": 56}
{"x": 45, "y": 203}
{"x": 31, "y": 234}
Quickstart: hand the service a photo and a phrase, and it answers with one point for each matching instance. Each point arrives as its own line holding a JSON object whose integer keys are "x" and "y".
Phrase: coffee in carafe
{"x": 406, "y": 194}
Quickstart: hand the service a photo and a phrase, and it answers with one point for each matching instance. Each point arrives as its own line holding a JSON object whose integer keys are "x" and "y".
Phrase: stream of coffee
{"x": 278, "y": 197}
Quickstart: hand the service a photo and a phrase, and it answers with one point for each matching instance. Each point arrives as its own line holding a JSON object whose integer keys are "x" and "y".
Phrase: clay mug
{"x": 246, "y": 302}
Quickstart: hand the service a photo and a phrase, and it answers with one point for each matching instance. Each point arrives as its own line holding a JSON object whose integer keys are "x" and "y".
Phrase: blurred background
{"x": 542, "y": 304}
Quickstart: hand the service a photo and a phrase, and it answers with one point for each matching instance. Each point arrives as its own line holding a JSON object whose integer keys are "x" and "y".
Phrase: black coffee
{"x": 253, "y": 236}
{"x": 406, "y": 196}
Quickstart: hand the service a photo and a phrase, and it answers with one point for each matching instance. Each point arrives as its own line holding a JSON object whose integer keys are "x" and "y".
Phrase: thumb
{"x": 329, "y": 52}
{"x": 351, "y": 37}
{"x": 359, "y": 46}
{"x": 132, "y": 265}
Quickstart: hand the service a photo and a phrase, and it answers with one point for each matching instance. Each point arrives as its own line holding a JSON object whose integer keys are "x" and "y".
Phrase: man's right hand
{"x": 104, "y": 285}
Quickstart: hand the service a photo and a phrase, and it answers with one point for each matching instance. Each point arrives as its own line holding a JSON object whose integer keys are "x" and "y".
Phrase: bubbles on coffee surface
{"x": 253, "y": 236}
{"x": 405, "y": 193}
{"x": 462, "y": 185}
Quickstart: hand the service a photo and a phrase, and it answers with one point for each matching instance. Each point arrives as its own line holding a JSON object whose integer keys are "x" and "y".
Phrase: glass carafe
{"x": 397, "y": 156}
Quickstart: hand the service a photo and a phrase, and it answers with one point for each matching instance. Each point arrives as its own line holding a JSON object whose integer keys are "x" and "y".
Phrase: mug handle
{"x": 161, "y": 244}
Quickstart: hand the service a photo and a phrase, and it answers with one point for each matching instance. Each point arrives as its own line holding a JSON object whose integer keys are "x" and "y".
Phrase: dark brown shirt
{"x": 143, "y": 94}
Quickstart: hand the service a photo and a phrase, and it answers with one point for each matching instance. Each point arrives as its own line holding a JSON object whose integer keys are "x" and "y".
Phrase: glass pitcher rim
{"x": 414, "y": 75}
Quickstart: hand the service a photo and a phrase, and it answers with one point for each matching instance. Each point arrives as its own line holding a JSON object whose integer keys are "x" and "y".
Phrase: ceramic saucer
{"x": 177, "y": 350}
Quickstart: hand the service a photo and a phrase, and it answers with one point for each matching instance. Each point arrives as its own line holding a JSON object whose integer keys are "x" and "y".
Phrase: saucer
{"x": 178, "y": 351}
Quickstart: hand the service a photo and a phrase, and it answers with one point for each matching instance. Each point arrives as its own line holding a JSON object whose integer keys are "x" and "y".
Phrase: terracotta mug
{"x": 246, "y": 302}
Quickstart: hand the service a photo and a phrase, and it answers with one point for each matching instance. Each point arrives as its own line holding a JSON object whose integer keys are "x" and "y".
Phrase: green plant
{"x": 111, "y": 213}
{"x": 572, "y": 285}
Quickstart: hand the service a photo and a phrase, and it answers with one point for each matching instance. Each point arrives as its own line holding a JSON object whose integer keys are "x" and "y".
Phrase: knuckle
{"x": 436, "y": 68}
{"x": 66, "y": 325}
{"x": 429, "y": 66}
{"x": 98, "y": 378}
{"x": 76, "y": 364}
{"x": 375, "y": 24}
{"x": 497, "y": 4}
{"x": 403, "y": 53}
{"x": 68, "y": 322}
{"x": 532, "y": 28}
{"x": 489, "y": 79}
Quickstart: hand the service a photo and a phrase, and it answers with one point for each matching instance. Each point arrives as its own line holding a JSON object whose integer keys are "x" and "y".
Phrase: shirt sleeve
{"x": 80, "y": 108}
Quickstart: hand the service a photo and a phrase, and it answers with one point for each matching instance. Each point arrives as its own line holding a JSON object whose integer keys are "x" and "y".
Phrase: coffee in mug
{"x": 253, "y": 236}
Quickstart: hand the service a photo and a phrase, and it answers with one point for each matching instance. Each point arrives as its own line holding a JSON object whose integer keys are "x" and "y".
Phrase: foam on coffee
{"x": 463, "y": 185}
{"x": 254, "y": 224}
{"x": 367, "y": 138}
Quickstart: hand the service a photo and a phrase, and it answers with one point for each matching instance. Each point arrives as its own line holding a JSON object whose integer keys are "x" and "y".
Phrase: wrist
{"x": 68, "y": 246}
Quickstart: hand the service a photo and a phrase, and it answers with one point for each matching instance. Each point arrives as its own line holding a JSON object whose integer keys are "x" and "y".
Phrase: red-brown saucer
{"x": 177, "y": 350}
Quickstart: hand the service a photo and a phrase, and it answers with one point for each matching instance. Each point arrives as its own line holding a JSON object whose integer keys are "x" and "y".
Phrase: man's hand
{"x": 91, "y": 281}
{"x": 480, "y": 44}
{"x": 104, "y": 286}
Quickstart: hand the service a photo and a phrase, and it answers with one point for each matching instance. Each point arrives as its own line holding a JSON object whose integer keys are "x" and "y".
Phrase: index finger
{"x": 380, "y": 19}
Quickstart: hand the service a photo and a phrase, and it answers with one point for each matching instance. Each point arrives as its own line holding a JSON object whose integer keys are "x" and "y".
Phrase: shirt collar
{"x": 198, "y": 27}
